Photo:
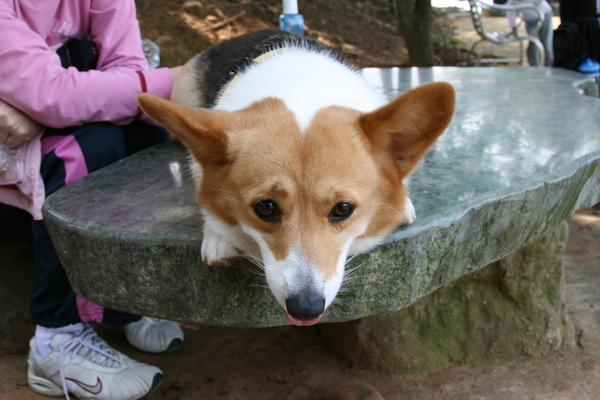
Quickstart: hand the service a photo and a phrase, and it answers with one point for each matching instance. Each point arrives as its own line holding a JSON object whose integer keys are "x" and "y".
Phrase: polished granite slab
{"x": 521, "y": 154}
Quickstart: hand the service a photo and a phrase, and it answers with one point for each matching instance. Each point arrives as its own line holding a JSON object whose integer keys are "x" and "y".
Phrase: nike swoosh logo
{"x": 96, "y": 389}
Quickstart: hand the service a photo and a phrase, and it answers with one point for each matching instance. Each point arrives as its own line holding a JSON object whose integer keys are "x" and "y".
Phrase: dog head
{"x": 300, "y": 201}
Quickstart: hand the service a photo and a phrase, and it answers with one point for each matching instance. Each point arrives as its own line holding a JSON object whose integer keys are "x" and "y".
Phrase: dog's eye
{"x": 341, "y": 211}
{"x": 267, "y": 210}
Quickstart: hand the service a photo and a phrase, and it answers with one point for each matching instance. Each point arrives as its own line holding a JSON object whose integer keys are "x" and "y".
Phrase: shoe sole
{"x": 158, "y": 378}
{"x": 175, "y": 345}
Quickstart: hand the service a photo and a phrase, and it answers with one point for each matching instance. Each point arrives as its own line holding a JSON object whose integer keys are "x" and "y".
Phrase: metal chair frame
{"x": 499, "y": 39}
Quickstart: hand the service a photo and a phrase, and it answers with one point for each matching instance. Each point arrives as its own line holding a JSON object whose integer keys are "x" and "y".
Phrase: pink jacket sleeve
{"x": 33, "y": 80}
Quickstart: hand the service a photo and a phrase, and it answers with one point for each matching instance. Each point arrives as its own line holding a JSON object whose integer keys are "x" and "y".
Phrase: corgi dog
{"x": 297, "y": 162}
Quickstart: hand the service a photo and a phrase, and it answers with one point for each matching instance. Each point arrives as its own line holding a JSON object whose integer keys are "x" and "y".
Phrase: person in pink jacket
{"x": 70, "y": 71}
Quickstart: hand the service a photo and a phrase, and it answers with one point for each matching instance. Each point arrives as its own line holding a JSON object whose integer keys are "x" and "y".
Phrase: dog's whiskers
{"x": 353, "y": 256}
{"x": 255, "y": 260}
{"x": 257, "y": 267}
{"x": 349, "y": 272}
{"x": 353, "y": 279}
{"x": 349, "y": 276}
{"x": 256, "y": 272}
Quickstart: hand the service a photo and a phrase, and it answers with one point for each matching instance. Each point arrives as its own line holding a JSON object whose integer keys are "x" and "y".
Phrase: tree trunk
{"x": 416, "y": 19}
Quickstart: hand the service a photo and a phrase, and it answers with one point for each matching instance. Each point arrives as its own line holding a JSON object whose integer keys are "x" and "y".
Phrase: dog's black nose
{"x": 305, "y": 306}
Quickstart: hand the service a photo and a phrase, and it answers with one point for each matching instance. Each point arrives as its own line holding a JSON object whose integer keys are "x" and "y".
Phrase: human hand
{"x": 16, "y": 127}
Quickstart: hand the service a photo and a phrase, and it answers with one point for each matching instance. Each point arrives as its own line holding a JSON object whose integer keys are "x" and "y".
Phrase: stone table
{"x": 521, "y": 155}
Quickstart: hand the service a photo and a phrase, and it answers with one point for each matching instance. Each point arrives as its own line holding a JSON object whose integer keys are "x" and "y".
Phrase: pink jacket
{"x": 33, "y": 80}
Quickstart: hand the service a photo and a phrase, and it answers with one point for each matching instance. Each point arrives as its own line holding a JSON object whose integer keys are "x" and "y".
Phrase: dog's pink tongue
{"x": 299, "y": 322}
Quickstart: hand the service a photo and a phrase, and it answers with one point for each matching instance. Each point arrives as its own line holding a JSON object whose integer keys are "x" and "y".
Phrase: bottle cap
{"x": 290, "y": 6}
{"x": 590, "y": 67}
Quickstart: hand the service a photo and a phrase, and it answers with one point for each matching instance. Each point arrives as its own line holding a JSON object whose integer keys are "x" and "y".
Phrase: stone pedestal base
{"x": 510, "y": 309}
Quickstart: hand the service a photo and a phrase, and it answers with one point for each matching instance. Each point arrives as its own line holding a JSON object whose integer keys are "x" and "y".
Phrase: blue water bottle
{"x": 290, "y": 20}
{"x": 590, "y": 67}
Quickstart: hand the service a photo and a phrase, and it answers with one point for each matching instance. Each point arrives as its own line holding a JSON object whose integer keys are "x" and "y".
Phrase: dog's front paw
{"x": 409, "y": 212}
{"x": 217, "y": 251}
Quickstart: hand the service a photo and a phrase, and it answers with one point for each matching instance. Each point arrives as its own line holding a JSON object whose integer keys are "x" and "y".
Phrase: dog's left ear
{"x": 406, "y": 127}
{"x": 202, "y": 131}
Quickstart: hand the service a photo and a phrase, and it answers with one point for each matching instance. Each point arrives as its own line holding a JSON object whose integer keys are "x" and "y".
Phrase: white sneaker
{"x": 84, "y": 365}
{"x": 154, "y": 335}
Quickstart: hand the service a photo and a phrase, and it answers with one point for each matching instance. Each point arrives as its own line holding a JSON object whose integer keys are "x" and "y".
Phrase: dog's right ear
{"x": 405, "y": 128}
{"x": 202, "y": 131}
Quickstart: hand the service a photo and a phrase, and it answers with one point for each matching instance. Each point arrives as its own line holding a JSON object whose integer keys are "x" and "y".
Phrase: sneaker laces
{"x": 91, "y": 347}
